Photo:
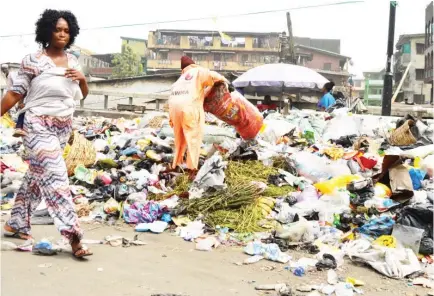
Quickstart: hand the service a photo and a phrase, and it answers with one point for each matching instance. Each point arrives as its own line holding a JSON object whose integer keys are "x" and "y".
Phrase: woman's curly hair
{"x": 46, "y": 25}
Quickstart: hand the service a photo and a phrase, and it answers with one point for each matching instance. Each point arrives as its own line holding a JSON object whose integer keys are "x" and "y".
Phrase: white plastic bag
{"x": 311, "y": 166}
{"x": 206, "y": 244}
{"x": 340, "y": 126}
{"x": 274, "y": 129}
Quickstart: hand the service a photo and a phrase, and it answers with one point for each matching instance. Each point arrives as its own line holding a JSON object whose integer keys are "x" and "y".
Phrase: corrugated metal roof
{"x": 332, "y": 45}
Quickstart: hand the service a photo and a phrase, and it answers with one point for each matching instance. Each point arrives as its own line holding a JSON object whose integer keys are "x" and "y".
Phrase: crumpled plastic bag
{"x": 327, "y": 262}
{"x": 211, "y": 174}
{"x": 191, "y": 231}
{"x": 146, "y": 212}
{"x": 155, "y": 227}
{"x": 378, "y": 227}
{"x": 394, "y": 263}
{"x": 408, "y": 237}
{"x": 296, "y": 232}
{"x": 419, "y": 216}
{"x": 340, "y": 126}
{"x": 269, "y": 251}
{"x": 329, "y": 186}
{"x": 309, "y": 194}
{"x": 417, "y": 177}
{"x": 311, "y": 166}
{"x": 207, "y": 243}
{"x": 212, "y": 134}
{"x": 111, "y": 206}
{"x": 273, "y": 129}
{"x": 386, "y": 241}
{"x": 285, "y": 214}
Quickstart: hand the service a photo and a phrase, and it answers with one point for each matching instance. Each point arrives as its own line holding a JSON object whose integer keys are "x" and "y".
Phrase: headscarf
{"x": 185, "y": 62}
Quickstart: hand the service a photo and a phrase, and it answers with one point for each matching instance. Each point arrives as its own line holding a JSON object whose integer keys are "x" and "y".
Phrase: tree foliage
{"x": 127, "y": 63}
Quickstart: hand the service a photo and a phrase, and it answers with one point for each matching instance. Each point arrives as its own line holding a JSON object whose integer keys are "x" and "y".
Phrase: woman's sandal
{"x": 12, "y": 233}
{"x": 81, "y": 253}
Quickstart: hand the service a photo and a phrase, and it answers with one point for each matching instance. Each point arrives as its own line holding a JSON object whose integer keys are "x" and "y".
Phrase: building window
{"x": 199, "y": 57}
{"x": 419, "y": 48}
{"x": 234, "y": 42}
{"x": 261, "y": 42}
{"x": 244, "y": 58}
{"x": 419, "y": 74}
{"x": 375, "y": 91}
{"x": 164, "y": 55}
{"x": 169, "y": 40}
{"x": 327, "y": 66}
{"x": 200, "y": 41}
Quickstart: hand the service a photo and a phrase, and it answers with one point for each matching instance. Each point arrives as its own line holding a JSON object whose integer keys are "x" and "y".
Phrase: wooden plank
{"x": 150, "y": 97}
{"x": 132, "y": 108}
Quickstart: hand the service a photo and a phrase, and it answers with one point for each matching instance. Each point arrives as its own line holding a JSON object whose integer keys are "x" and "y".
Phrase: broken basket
{"x": 403, "y": 136}
{"x": 81, "y": 152}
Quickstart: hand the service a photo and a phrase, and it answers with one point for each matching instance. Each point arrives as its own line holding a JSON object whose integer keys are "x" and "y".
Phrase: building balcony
{"x": 375, "y": 97}
{"x": 376, "y": 82}
{"x": 212, "y": 65}
{"x": 215, "y": 44}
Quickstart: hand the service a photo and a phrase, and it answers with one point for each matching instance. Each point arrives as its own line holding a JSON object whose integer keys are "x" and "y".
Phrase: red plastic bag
{"x": 234, "y": 109}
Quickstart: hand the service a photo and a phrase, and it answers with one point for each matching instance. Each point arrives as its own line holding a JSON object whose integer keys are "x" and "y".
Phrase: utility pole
{"x": 386, "y": 106}
{"x": 291, "y": 53}
{"x": 286, "y": 51}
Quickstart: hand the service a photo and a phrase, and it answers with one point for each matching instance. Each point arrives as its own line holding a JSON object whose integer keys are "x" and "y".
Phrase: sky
{"x": 361, "y": 27}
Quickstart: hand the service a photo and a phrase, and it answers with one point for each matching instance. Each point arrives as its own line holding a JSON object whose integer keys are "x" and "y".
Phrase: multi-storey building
{"x": 429, "y": 48}
{"x": 410, "y": 49}
{"x": 138, "y": 46}
{"x": 87, "y": 61}
{"x": 240, "y": 52}
{"x": 371, "y": 87}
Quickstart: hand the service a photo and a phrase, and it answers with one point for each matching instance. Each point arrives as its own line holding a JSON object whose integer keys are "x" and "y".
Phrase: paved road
{"x": 166, "y": 265}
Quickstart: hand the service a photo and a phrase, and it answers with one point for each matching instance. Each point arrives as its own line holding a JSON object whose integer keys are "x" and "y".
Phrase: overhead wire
{"x": 205, "y": 18}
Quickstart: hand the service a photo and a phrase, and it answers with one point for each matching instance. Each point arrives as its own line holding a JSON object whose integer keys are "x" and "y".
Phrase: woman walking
{"x": 50, "y": 80}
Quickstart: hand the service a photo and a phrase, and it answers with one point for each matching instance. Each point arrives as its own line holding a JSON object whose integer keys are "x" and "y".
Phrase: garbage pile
{"x": 335, "y": 185}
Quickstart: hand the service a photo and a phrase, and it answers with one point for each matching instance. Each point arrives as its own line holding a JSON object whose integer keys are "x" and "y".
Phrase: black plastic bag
{"x": 419, "y": 216}
{"x": 276, "y": 180}
{"x": 327, "y": 262}
{"x": 426, "y": 246}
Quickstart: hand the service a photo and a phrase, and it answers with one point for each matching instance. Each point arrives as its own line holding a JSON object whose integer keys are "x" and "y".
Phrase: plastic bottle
{"x": 336, "y": 219}
{"x": 325, "y": 217}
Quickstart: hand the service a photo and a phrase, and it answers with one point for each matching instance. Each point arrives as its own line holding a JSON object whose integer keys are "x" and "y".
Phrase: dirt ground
{"x": 167, "y": 264}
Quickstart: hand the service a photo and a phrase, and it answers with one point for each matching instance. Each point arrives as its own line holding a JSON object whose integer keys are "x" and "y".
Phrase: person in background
{"x": 186, "y": 112}
{"x": 267, "y": 104}
{"x": 327, "y": 100}
{"x": 51, "y": 81}
{"x": 10, "y": 76}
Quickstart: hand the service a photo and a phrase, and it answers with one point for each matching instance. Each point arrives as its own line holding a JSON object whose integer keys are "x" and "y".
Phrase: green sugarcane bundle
{"x": 248, "y": 171}
{"x": 276, "y": 191}
{"x": 233, "y": 197}
{"x": 243, "y": 220}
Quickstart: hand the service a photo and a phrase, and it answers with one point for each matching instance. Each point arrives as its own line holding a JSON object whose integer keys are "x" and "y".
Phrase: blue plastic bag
{"x": 378, "y": 227}
{"x": 417, "y": 176}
